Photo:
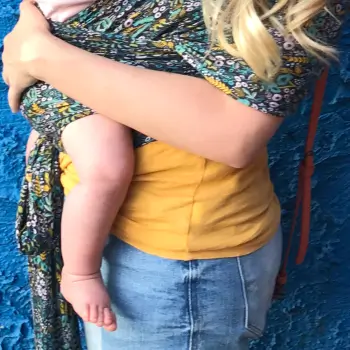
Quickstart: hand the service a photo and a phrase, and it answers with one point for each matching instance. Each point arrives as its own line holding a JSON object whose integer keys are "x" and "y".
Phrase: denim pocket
{"x": 258, "y": 272}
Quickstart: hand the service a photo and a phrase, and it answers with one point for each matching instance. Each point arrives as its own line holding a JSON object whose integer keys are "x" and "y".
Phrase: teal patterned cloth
{"x": 165, "y": 35}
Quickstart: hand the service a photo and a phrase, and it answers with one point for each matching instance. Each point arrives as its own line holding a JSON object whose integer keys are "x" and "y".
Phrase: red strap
{"x": 303, "y": 198}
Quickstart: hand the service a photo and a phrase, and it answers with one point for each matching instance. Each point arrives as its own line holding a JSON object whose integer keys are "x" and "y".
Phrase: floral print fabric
{"x": 166, "y": 35}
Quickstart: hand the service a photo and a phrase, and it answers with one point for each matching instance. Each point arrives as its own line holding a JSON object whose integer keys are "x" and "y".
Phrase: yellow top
{"x": 182, "y": 206}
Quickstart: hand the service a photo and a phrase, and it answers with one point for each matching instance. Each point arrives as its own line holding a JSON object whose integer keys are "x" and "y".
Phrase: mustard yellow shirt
{"x": 182, "y": 206}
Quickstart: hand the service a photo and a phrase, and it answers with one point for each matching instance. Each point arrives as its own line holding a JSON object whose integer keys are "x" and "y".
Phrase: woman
{"x": 196, "y": 248}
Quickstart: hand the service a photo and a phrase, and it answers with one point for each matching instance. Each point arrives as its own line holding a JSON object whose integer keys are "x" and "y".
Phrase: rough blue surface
{"x": 15, "y": 311}
{"x": 315, "y": 314}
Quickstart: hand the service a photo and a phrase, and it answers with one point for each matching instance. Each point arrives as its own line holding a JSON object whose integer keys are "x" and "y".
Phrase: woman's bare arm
{"x": 182, "y": 111}
{"x": 185, "y": 112}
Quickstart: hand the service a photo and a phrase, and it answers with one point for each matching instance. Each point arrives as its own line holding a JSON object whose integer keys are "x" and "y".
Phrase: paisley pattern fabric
{"x": 166, "y": 35}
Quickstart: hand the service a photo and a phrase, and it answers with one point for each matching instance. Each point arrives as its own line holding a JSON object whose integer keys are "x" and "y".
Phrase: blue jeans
{"x": 166, "y": 304}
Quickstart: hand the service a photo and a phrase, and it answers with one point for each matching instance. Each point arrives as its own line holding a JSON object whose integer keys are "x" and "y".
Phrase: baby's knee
{"x": 111, "y": 174}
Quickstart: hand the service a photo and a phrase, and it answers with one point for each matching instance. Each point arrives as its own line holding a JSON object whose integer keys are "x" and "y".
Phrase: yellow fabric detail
{"x": 181, "y": 206}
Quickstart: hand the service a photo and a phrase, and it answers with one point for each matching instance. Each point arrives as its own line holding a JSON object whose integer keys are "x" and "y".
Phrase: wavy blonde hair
{"x": 247, "y": 19}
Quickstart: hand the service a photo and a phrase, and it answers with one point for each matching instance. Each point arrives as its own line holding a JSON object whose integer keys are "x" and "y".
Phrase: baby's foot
{"x": 89, "y": 298}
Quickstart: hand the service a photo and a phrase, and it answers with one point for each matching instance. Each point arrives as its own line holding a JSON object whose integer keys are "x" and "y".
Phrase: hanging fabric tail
{"x": 38, "y": 227}
{"x": 303, "y": 198}
{"x": 40, "y": 204}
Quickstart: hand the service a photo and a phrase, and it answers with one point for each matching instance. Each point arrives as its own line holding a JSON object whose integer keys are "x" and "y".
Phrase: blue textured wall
{"x": 15, "y": 313}
{"x": 315, "y": 315}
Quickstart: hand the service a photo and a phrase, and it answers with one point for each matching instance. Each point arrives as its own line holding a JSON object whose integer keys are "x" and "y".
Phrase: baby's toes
{"x": 100, "y": 318}
{"x": 110, "y": 323}
{"x": 85, "y": 315}
{"x": 93, "y": 313}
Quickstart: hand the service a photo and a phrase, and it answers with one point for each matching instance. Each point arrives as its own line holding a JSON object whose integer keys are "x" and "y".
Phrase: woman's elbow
{"x": 240, "y": 162}
{"x": 240, "y": 158}
{"x": 247, "y": 147}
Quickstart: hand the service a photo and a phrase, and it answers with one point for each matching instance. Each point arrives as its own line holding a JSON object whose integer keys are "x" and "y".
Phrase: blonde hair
{"x": 245, "y": 21}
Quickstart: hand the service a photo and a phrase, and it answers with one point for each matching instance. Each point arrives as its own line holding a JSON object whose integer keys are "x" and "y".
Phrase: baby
{"x": 102, "y": 152}
{"x": 61, "y": 10}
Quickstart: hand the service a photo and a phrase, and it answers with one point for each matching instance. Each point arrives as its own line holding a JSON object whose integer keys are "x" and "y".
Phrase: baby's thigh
{"x": 100, "y": 148}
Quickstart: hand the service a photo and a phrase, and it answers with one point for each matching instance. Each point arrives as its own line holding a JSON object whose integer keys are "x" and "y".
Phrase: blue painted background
{"x": 316, "y": 313}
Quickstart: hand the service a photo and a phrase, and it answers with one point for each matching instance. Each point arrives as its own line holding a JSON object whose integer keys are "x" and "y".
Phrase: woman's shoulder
{"x": 298, "y": 72}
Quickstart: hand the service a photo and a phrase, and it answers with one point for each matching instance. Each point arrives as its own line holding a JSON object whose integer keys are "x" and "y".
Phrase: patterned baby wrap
{"x": 109, "y": 29}
{"x": 165, "y": 35}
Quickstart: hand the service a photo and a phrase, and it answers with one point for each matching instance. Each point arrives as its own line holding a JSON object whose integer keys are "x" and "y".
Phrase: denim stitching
{"x": 249, "y": 327}
{"x": 244, "y": 292}
{"x": 190, "y": 310}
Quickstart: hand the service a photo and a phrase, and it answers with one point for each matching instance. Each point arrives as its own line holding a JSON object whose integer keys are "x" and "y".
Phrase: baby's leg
{"x": 102, "y": 153}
